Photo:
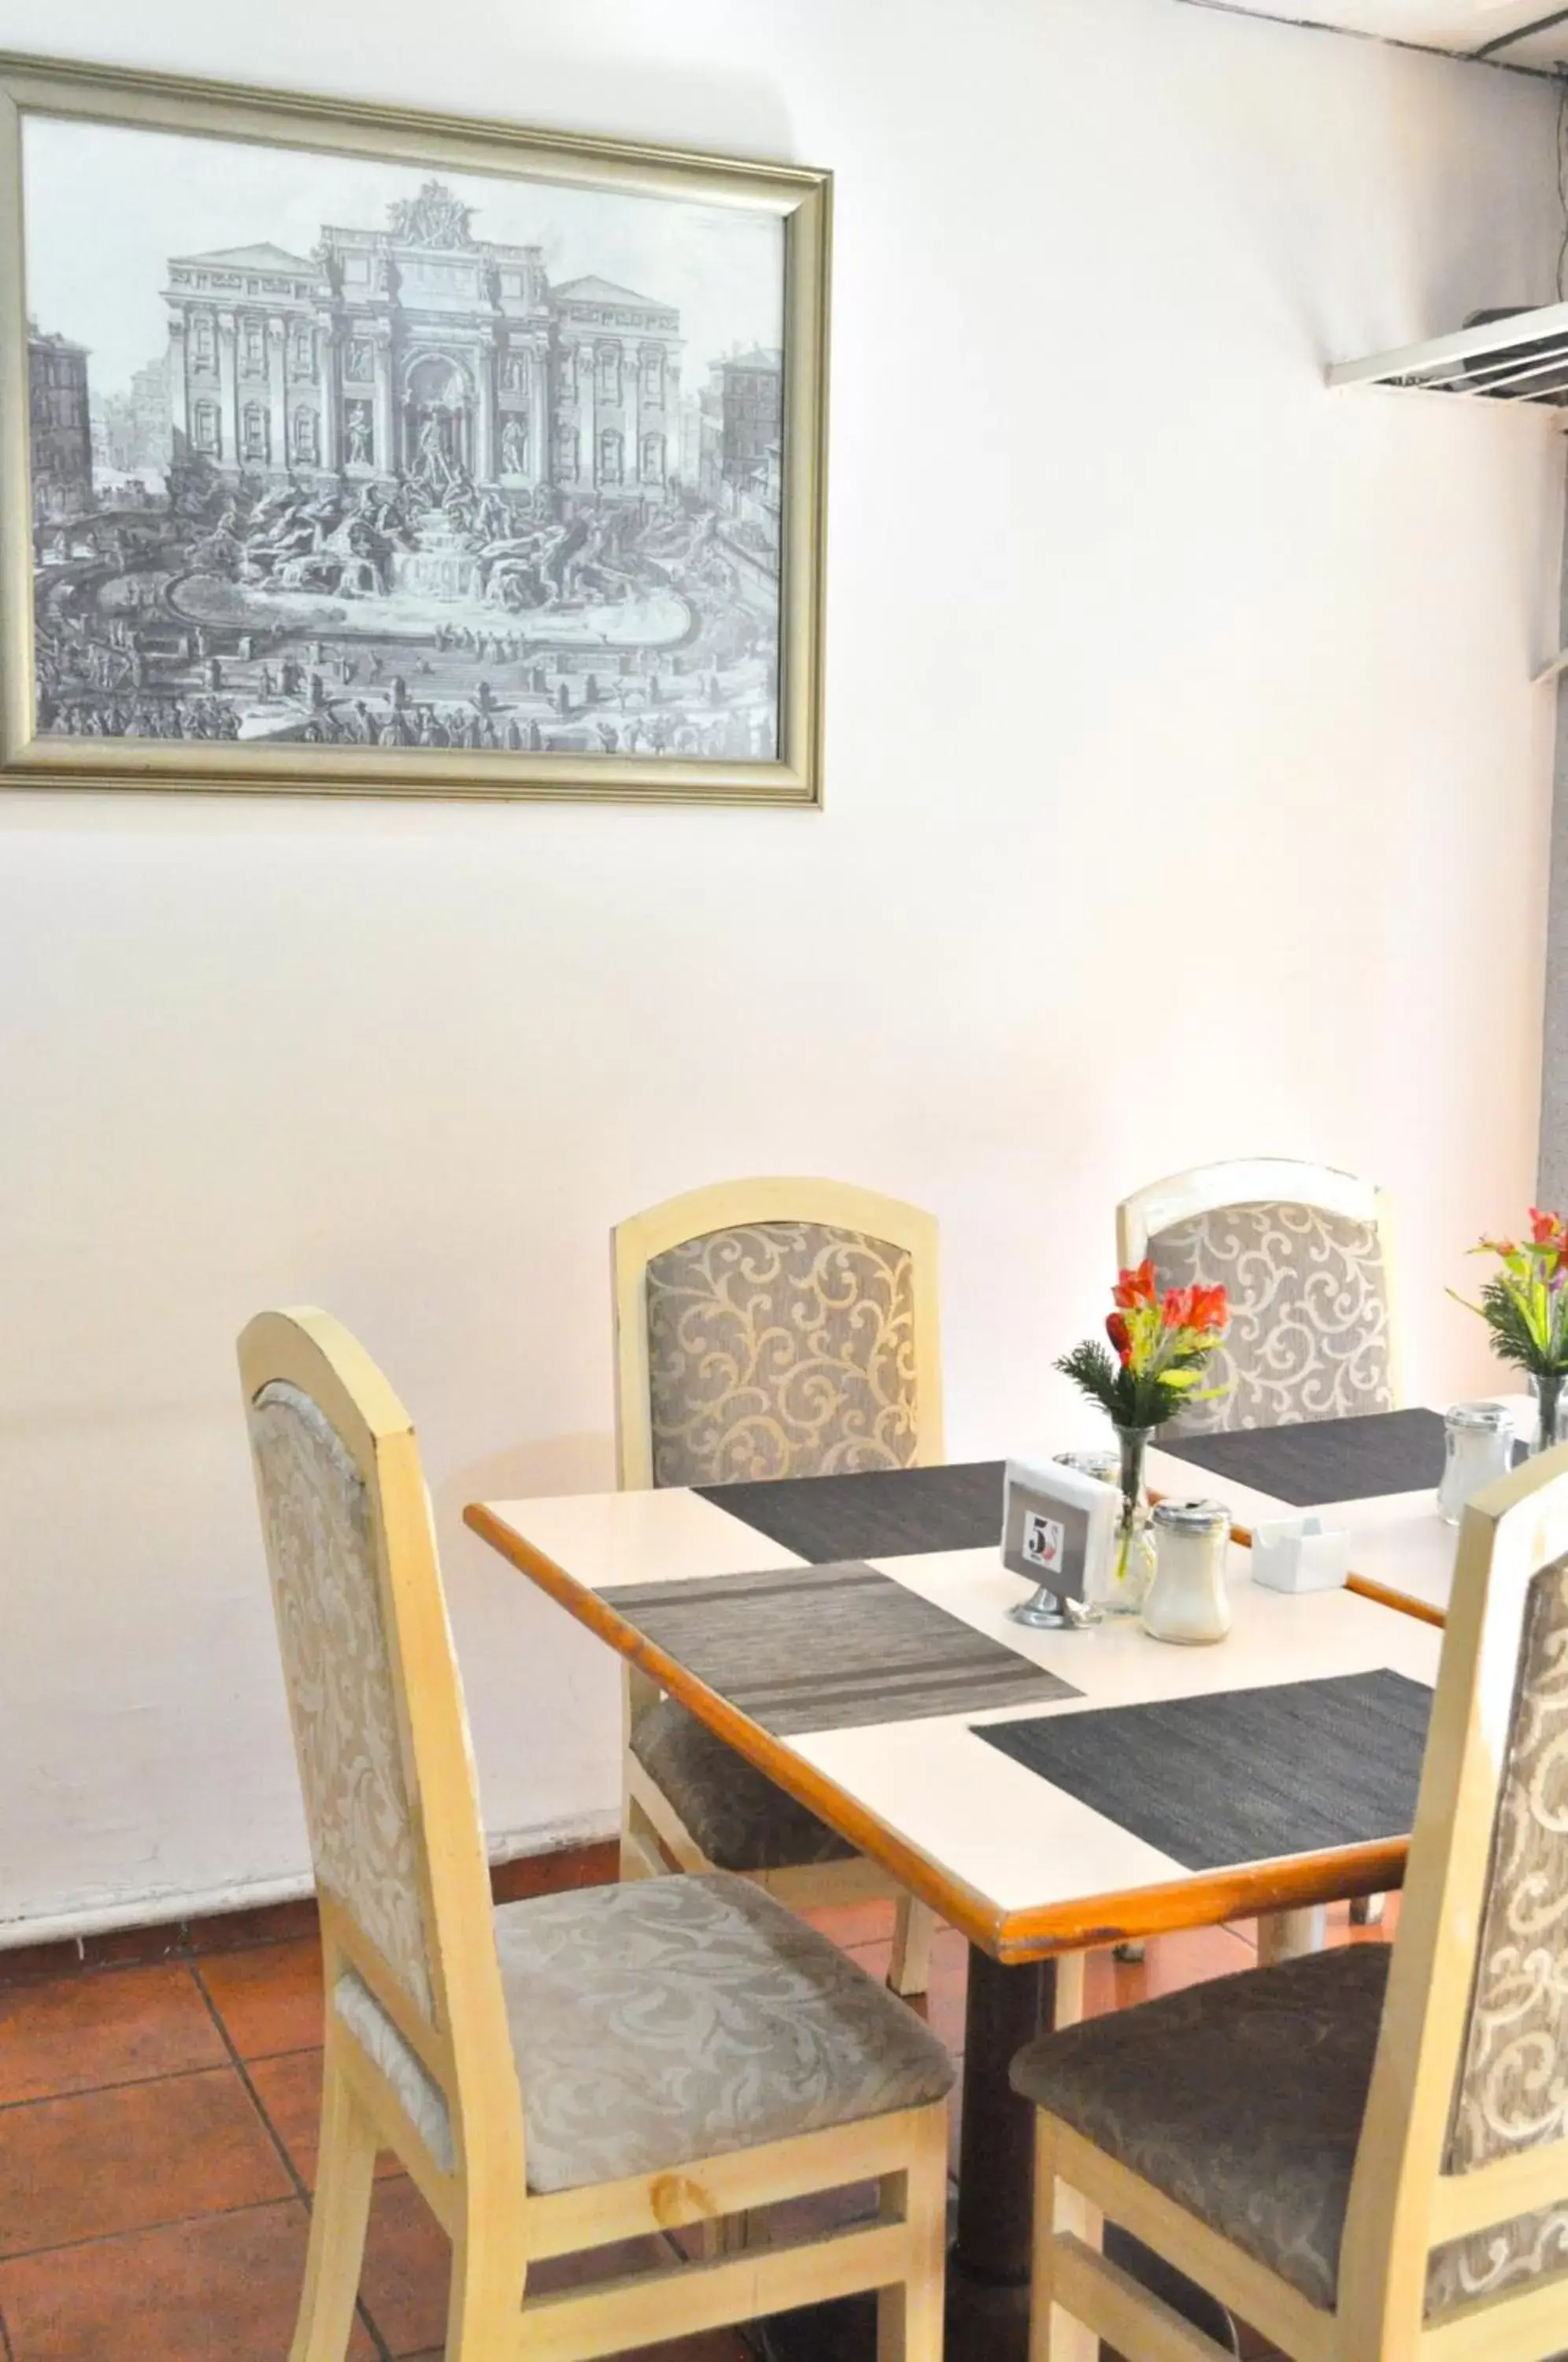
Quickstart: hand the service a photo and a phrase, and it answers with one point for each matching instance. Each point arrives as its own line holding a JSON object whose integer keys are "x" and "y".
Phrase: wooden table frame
{"x": 1011, "y": 1937}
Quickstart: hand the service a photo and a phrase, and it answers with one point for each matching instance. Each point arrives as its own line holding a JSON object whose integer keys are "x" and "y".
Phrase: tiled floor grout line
{"x": 242, "y": 2068}
{"x": 126, "y": 2083}
{"x": 137, "y": 2230}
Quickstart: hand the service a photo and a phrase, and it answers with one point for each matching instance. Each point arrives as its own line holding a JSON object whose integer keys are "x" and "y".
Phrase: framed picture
{"x": 354, "y": 450}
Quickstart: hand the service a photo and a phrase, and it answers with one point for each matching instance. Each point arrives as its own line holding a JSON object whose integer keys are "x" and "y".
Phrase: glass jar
{"x": 1188, "y": 1599}
{"x": 1105, "y": 1466}
{"x": 1477, "y": 1445}
{"x": 1131, "y": 1565}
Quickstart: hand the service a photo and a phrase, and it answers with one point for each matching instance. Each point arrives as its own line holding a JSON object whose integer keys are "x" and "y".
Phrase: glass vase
{"x": 1552, "y": 1409}
{"x": 1133, "y": 1560}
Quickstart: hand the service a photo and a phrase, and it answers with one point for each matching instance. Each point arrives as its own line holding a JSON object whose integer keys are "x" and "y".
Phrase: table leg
{"x": 988, "y": 2269}
{"x": 989, "y": 2266}
{"x": 1005, "y": 2009}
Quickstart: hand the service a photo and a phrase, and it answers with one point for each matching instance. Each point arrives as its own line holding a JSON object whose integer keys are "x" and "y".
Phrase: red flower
{"x": 1134, "y": 1289}
{"x": 1200, "y": 1309}
{"x": 1117, "y": 1330}
{"x": 1545, "y": 1230}
{"x": 1210, "y": 1308}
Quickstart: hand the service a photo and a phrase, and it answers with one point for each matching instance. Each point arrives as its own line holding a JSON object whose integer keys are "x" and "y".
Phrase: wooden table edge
{"x": 1207, "y": 1898}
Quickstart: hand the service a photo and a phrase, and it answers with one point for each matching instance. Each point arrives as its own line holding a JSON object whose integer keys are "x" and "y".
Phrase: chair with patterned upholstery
{"x": 767, "y": 1329}
{"x": 1306, "y": 1254}
{"x": 1364, "y": 2153}
{"x": 607, "y": 2064}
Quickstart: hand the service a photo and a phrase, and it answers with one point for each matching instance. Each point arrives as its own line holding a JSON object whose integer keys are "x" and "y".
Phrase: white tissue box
{"x": 1300, "y": 1554}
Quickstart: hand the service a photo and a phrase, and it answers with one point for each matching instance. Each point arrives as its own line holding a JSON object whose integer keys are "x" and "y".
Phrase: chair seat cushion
{"x": 1241, "y": 2099}
{"x": 670, "y": 2020}
{"x": 737, "y": 1814}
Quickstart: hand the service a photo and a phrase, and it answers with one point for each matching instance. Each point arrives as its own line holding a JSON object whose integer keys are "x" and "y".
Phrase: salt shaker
{"x": 1187, "y": 1600}
{"x": 1478, "y": 1444}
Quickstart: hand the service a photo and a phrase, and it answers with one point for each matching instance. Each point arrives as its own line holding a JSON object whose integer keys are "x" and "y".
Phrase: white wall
{"x": 1186, "y": 798}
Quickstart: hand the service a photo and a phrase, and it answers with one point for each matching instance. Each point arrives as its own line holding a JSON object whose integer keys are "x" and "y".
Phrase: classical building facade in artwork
{"x": 418, "y": 351}
{"x": 751, "y": 407}
{"x": 60, "y": 427}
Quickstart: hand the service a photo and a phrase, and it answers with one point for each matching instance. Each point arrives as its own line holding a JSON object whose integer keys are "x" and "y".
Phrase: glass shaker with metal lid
{"x": 1477, "y": 1445}
{"x": 1188, "y": 1599}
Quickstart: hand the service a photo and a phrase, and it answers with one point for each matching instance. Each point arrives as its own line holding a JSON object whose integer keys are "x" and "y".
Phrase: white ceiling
{"x": 1515, "y": 32}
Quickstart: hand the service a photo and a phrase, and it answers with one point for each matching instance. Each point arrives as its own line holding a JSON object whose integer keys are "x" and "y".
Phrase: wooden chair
{"x": 767, "y": 1329}
{"x": 1365, "y": 2153}
{"x": 1307, "y": 1256}
{"x": 580, "y": 2068}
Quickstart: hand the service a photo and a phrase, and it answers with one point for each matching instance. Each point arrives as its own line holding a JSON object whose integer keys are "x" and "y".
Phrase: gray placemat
{"x": 829, "y": 1648}
{"x": 1245, "y": 1775}
{"x": 1326, "y": 1458}
{"x": 887, "y": 1513}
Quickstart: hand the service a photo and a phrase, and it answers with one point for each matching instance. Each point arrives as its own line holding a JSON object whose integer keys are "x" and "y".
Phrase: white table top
{"x": 1400, "y": 1549}
{"x": 1024, "y": 1866}
{"x": 1398, "y": 1540}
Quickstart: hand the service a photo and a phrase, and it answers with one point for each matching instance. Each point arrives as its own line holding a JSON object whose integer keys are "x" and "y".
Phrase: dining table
{"x": 1047, "y": 1793}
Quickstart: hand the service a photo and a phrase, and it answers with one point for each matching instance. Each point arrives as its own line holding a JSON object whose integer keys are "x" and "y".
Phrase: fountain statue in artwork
{"x": 432, "y": 467}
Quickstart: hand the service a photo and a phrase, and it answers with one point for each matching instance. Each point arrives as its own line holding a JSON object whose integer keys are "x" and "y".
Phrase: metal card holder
{"x": 1058, "y": 1532}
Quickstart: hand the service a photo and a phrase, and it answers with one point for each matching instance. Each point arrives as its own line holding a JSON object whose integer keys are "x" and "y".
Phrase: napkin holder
{"x": 1300, "y": 1554}
{"x": 1058, "y": 1532}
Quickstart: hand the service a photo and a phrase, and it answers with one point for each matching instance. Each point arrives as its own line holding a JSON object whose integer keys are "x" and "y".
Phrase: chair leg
{"x": 726, "y": 2234}
{"x": 340, "y": 2216}
{"x": 639, "y": 1846}
{"x": 1056, "y": 2335}
{"x": 1071, "y": 1969}
{"x": 1290, "y": 1935}
{"x": 485, "y": 2308}
{"x": 914, "y": 1925}
{"x": 910, "y": 2325}
{"x": 1042, "y": 2266}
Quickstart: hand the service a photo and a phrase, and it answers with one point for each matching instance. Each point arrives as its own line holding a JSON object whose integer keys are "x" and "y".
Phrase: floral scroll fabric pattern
{"x": 780, "y": 1349}
{"x": 321, "y": 1554}
{"x": 1308, "y": 1297}
{"x": 1513, "y": 2085}
{"x": 671, "y": 2019}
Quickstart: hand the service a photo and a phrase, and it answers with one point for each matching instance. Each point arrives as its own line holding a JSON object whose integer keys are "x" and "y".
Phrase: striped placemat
{"x": 829, "y": 1648}
{"x": 1242, "y": 1775}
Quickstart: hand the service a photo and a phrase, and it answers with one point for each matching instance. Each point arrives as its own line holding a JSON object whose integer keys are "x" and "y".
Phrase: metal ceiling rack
{"x": 1519, "y": 357}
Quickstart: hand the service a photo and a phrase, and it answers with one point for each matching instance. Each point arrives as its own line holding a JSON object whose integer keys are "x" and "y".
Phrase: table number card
{"x": 1058, "y": 1527}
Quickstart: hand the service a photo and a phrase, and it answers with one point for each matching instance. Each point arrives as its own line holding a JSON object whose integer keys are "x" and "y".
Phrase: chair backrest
{"x": 1307, "y": 1256}
{"x": 775, "y": 1328}
{"x": 378, "y": 1722}
{"x": 1461, "y": 2183}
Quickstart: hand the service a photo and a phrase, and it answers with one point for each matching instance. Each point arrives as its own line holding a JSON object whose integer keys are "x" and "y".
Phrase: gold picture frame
{"x": 150, "y": 631}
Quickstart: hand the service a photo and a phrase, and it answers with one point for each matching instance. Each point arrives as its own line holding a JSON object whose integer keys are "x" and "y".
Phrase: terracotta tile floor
{"x": 157, "y": 2147}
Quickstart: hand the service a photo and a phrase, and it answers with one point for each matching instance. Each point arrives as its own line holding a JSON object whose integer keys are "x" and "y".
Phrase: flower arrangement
{"x": 1525, "y": 1304}
{"x": 1161, "y": 1345}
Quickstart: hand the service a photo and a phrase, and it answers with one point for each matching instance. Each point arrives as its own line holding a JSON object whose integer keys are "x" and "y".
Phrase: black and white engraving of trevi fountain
{"x": 406, "y": 490}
